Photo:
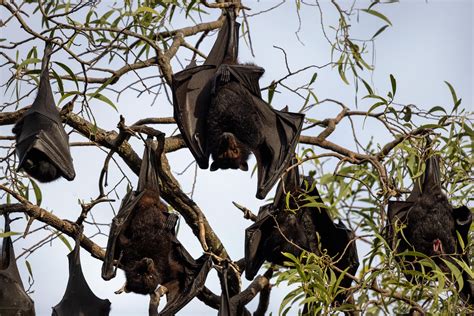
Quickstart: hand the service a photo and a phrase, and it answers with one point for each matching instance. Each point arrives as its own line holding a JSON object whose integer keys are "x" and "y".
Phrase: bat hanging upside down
{"x": 430, "y": 225}
{"x": 220, "y": 112}
{"x": 42, "y": 145}
{"x": 142, "y": 241}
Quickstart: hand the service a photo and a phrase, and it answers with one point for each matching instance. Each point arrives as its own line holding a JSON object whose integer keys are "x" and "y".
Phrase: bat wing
{"x": 191, "y": 99}
{"x": 463, "y": 220}
{"x": 346, "y": 248}
{"x": 192, "y": 90}
{"x": 148, "y": 177}
{"x": 13, "y": 298}
{"x": 281, "y": 134}
{"x": 247, "y": 75}
{"x": 119, "y": 223}
{"x": 255, "y": 236}
{"x": 431, "y": 178}
{"x": 40, "y": 128}
{"x": 290, "y": 182}
{"x": 281, "y": 129}
{"x": 79, "y": 299}
{"x": 196, "y": 275}
{"x": 225, "y": 308}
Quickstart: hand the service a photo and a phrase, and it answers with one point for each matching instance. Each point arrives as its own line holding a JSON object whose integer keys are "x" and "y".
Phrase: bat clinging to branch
{"x": 42, "y": 144}
{"x": 142, "y": 240}
{"x": 220, "y": 113}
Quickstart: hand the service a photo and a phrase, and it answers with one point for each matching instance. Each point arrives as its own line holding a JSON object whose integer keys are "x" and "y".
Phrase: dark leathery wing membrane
{"x": 40, "y": 129}
{"x": 78, "y": 298}
{"x": 13, "y": 298}
{"x": 308, "y": 228}
{"x": 194, "y": 87}
{"x": 427, "y": 212}
{"x": 194, "y": 272}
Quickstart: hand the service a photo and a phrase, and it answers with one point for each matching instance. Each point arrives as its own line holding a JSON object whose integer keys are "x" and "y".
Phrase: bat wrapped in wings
{"x": 220, "y": 112}
{"x": 79, "y": 299}
{"x": 143, "y": 242}
{"x": 13, "y": 298}
{"x": 277, "y": 230}
{"x": 427, "y": 223}
{"x": 42, "y": 145}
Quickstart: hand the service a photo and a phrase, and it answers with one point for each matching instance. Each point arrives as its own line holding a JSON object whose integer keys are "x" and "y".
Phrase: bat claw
{"x": 122, "y": 289}
{"x": 202, "y": 234}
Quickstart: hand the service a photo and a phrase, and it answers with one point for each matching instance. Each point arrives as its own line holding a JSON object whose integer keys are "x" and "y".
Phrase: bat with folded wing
{"x": 13, "y": 298}
{"x": 142, "y": 241}
{"x": 42, "y": 145}
{"x": 220, "y": 112}
{"x": 427, "y": 223}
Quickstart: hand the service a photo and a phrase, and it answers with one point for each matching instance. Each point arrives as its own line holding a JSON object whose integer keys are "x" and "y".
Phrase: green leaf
{"x": 437, "y": 108}
{"x": 29, "y": 61}
{"x": 37, "y": 190}
{"x": 190, "y": 7}
{"x": 8, "y": 234}
{"x": 378, "y": 14}
{"x": 453, "y": 92}
{"x": 146, "y": 9}
{"x": 376, "y": 105}
{"x": 393, "y": 82}
{"x": 383, "y": 28}
{"x": 59, "y": 81}
{"x": 64, "y": 240}
{"x": 68, "y": 94}
{"x": 456, "y": 273}
{"x": 313, "y": 78}
{"x": 69, "y": 72}
{"x": 103, "y": 98}
{"x": 28, "y": 267}
{"x": 367, "y": 86}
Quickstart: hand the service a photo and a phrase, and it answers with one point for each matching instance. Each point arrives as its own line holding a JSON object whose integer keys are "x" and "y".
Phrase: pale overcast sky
{"x": 429, "y": 42}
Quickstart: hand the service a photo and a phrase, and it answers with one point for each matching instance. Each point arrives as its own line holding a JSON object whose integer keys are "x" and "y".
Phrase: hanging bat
{"x": 220, "y": 112}
{"x": 277, "y": 230}
{"x": 42, "y": 145}
{"x": 430, "y": 224}
{"x": 13, "y": 298}
{"x": 79, "y": 299}
{"x": 142, "y": 240}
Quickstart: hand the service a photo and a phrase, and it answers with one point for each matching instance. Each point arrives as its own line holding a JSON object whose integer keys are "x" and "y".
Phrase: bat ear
{"x": 214, "y": 166}
{"x": 243, "y": 166}
{"x": 463, "y": 216}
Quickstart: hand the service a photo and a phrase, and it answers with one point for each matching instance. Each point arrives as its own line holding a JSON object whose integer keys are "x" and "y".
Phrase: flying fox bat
{"x": 42, "y": 145}
{"x": 220, "y": 112}
{"x": 277, "y": 230}
{"x": 143, "y": 241}
{"x": 79, "y": 299}
{"x": 430, "y": 224}
{"x": 13, "y": 298}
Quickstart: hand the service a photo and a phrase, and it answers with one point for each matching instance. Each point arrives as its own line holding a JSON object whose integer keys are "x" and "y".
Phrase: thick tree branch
{"x": 52, "y": 220}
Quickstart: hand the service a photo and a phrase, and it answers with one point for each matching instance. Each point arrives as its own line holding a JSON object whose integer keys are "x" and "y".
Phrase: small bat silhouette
{"x": 42, "y": 144}
{"x": 79, "y": 299}
{"x": 13, "y": 298}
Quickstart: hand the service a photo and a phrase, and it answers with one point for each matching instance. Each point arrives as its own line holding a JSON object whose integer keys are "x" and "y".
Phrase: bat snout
{"x": 438, "y": 246}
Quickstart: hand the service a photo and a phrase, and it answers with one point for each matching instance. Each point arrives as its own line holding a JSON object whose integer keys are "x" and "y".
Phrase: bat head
{"x": 230, "y": 153}
{"x": 40, "y": 167}
{"x": 142, "y": 277}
